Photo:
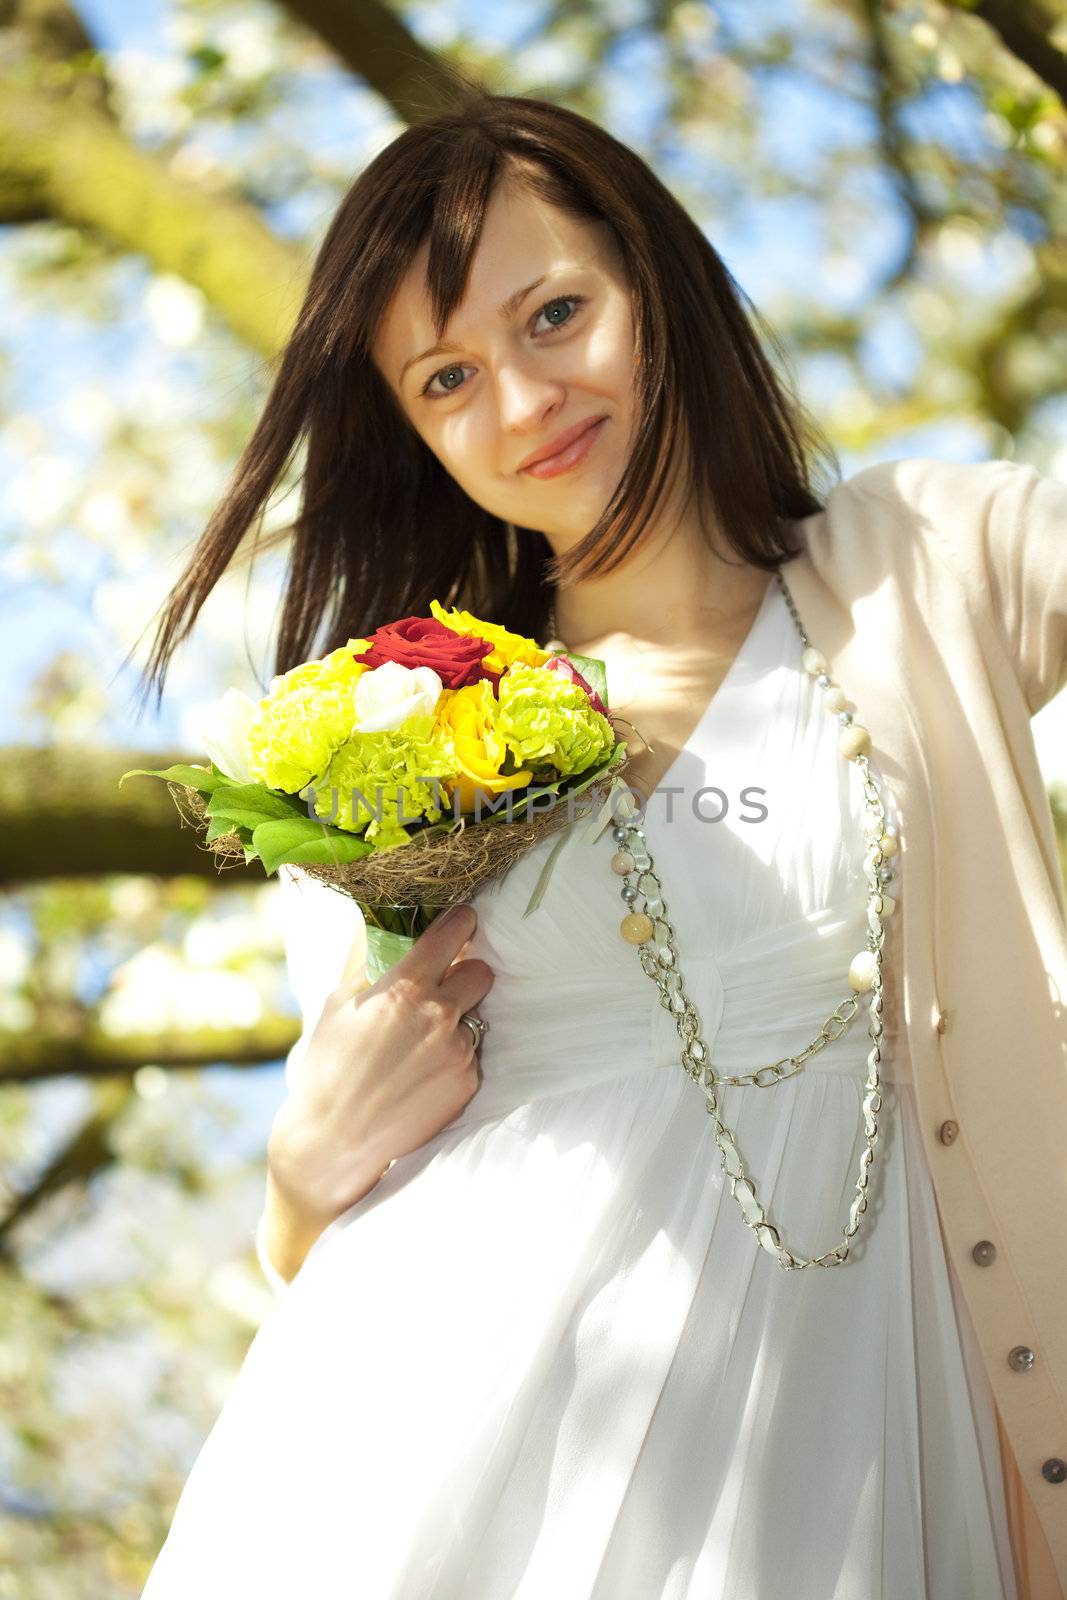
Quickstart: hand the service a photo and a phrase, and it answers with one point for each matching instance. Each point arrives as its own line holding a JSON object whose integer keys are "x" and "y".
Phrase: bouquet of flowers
{"x": 404, "y": 769}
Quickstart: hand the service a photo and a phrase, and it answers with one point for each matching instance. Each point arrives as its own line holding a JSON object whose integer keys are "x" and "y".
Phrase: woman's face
{"x": 513, "y": 381}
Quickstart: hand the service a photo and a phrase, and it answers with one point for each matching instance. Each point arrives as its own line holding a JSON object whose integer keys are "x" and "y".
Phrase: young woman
{"x": 536, "y": 1336}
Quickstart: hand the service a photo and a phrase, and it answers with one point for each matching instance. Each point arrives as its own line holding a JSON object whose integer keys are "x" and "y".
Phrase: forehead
{"x": 522, "y": 238}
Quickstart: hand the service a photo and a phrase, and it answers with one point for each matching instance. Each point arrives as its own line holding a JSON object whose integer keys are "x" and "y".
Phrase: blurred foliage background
{"x": 885, "y": 180}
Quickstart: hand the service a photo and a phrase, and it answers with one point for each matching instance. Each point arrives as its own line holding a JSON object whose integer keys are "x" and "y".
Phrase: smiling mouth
{"x": 569, "y": 456}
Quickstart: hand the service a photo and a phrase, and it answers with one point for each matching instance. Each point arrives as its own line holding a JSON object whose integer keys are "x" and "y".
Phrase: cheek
{"x": 608, "y": 358}
{"x": 462, "y": 442}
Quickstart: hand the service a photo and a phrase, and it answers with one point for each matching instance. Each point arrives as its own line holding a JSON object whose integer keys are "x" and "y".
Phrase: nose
{"x": 527, "y": 397}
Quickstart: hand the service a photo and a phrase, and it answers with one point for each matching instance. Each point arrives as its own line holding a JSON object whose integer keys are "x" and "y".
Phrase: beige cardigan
{"x": 938, "y": 594}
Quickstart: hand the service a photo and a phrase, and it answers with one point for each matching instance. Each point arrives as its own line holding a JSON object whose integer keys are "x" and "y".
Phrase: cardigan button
{"x": 947, "y": 1132}
{"x": 1054, "y": 1470}
{"x": 1021, "y": 1359}
{"x": 985, "y": 1253}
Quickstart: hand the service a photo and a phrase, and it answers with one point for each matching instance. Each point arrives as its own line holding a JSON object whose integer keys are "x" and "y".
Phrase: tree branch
{"x": 85, "y": 1154}
{"x": 36, "y": 1055}
{"x": 54, "y": 27}
{"x": 71, "y": 161}
{"x": 62, "y": 815}
{"x": 1023, "y": 32}
{"x": 374, "y": 43}
{"x": 893, "y": 142}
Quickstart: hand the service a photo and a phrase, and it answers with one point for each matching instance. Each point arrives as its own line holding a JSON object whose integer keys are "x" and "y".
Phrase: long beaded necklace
{"x": 650, "y": 930}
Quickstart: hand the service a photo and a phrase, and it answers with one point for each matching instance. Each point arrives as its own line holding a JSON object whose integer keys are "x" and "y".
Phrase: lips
{"x": 557, "y": 445}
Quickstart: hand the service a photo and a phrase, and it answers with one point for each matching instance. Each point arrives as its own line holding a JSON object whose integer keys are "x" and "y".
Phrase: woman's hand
{"x": 385, "y": 1069}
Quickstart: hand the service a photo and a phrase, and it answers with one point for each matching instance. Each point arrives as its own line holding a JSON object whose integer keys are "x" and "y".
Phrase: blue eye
{"x": 561, "y": 300}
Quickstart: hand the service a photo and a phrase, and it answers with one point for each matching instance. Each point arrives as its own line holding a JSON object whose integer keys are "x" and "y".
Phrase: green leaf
{"x": 538, "y": 892}
{"x": 218, "y": 826}
{"x": 253, "y": 803}
{"x": 330, "y": 851}
{"x": 299, "y": 840}
{"x": 193, "y": 777}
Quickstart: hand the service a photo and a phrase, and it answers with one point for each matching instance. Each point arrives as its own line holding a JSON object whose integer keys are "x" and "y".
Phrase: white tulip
{"x": 224, "y": 734}
{"x": 389, "y": 695}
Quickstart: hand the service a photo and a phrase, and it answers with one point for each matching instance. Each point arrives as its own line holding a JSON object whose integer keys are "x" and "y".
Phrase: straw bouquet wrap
{"x": 405, "y": 769}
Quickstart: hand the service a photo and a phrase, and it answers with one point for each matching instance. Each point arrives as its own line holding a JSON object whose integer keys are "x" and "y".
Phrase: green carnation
{"x": 547, "y": 720}
{"x": 297, "y": 733}
{"x": 399, "y": 765}
{"x": 306, "y": 717}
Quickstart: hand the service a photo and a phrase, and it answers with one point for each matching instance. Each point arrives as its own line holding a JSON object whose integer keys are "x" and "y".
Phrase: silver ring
{"x": 476, "y": 1026}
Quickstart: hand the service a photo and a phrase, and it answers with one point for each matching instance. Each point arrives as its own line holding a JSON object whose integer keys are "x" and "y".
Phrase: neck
{"x": 679, "y": 584}
{"x": 704, "y": 598}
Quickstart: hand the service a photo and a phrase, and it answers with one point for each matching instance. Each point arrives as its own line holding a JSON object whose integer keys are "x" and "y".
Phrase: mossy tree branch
{"x": 62, "y": 815}
{"x": 72, "y": 162}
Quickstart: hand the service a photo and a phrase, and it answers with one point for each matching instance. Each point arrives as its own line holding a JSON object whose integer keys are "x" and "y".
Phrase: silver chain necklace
{"x": 651, "y": 931}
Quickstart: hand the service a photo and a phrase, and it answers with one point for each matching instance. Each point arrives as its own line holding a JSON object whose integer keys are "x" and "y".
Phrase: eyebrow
{"x": 507, "y": 309}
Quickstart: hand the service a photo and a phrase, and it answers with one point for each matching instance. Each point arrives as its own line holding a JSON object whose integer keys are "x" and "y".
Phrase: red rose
{"x": 425, "y": 642}
{"x": 569, "y": 670}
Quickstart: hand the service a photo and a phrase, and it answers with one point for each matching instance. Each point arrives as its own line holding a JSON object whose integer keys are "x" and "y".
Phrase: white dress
{"x": 545, "y": 1359}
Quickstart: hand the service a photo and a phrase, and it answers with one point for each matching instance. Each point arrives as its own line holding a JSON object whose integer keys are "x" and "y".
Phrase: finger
{"x": 466, "y": 984}
{"x": 434, "y": 951}
{"x": 460, "y": 953}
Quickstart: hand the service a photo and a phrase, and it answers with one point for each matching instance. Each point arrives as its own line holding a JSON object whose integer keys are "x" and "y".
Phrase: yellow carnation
{"x": 325, "y": 669}
{"x": 466, "y": 718}
{"x": 507, "y": 647}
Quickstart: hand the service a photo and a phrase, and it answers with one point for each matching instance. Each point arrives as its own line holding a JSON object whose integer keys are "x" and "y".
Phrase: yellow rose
{"x": 507, "y": 647}
{"x": 467, "y": 721}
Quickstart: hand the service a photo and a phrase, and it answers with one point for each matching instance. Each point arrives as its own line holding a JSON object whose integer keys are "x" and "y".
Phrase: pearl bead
{"x": 813, "y": 661}
{"x": 824, "y": 680}
{"x": 620, "y": 835}
{"x": 622, "y": 862}
{"x": 889, "y": 844}
{"x": 636, "y": 928}
{"x": 629, "y": 893}
{"x": 834, "y": 698}
{"x": 861, "y": 972}
{"x": 854, "y": 741}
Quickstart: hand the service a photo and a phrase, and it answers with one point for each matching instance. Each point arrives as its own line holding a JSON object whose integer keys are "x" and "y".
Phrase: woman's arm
{"x": 283, "y": 1237}
{"x": 285, "y": 1234}
{"x": 1004, "y": 527}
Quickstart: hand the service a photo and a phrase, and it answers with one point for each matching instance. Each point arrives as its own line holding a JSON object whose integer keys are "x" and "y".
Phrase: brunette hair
{"x": 382, "y": 527}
